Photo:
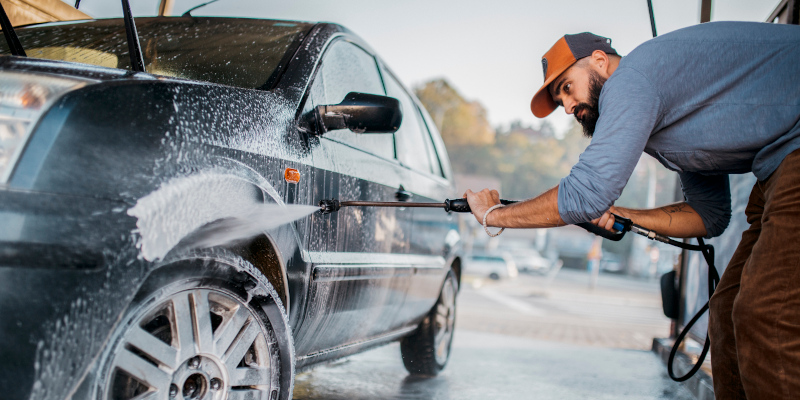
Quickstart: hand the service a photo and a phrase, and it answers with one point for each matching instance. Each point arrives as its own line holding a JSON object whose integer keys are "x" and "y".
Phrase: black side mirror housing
{"x": 361, "y": 113}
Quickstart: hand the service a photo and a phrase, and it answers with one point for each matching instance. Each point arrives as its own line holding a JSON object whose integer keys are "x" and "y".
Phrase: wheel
{"x": 211, "y": 328}
{"x": 494, "y": 276}
{"x": 426, "y": 351}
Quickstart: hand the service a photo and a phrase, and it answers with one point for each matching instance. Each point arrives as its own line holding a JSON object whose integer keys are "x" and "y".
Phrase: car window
{"x": 237, "y": 52}
{"x": 436, "y": 165}
{"x": 347, "y": 68}
{"x": 413, "y": 149}
{"x": 439, "y": 155}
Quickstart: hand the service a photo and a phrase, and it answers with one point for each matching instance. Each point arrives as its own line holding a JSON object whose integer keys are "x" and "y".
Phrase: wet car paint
{"x": 72, "y": 256}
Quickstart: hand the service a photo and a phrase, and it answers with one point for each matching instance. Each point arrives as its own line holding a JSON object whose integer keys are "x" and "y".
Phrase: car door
{"x": 426, "y": 183}
{"x": 359, "y": 276}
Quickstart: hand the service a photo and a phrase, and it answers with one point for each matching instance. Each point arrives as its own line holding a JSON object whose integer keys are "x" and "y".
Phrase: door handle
{"x": 402, "y": 195}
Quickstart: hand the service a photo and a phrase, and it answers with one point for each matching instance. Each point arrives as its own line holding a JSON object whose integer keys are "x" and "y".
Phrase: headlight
{"x": 23, "y": 99}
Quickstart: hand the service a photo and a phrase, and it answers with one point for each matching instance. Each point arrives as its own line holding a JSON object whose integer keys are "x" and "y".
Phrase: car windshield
{"x": 245, "y": 53}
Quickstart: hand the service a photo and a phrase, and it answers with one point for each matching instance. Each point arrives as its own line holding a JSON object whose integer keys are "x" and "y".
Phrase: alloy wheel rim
{"x": 444, "y": 321}
{"x": 201, "y": 344}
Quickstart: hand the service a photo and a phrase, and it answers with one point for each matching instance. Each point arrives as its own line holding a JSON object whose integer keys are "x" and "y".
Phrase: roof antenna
{"x": 135, "y": 50}
{"x": 77, "y": 4}
{"x": 189, "y": 12}
{"x": 652, "y": 17}
{"x": 11, "y": 37}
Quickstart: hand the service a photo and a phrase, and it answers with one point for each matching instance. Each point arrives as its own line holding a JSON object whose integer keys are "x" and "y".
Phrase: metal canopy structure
{"x": 787, "y": 12}
{"x": 165, "y": 8}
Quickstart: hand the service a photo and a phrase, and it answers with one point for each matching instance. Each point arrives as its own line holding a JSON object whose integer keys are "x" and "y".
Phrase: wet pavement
{"x": 620, "y": 312}
{"x": 524, "y": 339}
{"x": 491, "y": 366}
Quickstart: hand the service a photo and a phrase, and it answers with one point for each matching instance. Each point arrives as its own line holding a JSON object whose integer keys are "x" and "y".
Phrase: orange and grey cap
{"x": 567, "y": 51}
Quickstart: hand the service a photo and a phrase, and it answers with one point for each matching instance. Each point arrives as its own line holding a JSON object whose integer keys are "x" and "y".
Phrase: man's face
{"x": 578, "y": 90}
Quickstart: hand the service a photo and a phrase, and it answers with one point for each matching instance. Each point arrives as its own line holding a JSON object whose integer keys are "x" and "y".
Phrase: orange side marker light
{"x": 291, "y": 175}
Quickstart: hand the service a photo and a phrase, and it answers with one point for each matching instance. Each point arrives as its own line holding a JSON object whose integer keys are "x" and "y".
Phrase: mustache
{"x": 580, "y": 107}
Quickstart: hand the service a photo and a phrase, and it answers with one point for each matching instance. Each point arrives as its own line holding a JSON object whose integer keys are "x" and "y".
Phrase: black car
{"x": 134, "y": 258}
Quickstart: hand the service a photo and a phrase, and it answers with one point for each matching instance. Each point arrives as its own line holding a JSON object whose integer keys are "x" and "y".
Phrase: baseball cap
{"x": 567, "y": 51}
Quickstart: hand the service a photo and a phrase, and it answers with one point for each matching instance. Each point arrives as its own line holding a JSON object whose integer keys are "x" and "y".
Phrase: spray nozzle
{"x": 329, "y": 206}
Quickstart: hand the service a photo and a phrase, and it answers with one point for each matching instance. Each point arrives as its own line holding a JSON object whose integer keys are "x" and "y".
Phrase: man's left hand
{"x": 481, "y": 201}
{"x": 607, "y": 220}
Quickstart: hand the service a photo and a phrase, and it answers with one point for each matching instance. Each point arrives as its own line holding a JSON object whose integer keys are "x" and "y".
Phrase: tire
{"x": 208, "y": 326}
{"x": 494, "y": 276}
{"x": 426, "y": 352}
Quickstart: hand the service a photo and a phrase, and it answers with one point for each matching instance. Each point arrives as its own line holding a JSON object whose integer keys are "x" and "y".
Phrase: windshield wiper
{"x": 135, "y": 50}
{"x": 11, "y": 37}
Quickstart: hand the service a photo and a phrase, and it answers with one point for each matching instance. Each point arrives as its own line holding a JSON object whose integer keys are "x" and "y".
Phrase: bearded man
{"x": 706, "y": 101}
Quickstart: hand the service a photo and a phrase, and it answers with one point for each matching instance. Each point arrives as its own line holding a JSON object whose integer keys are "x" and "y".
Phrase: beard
{"x": 592, "y": 113}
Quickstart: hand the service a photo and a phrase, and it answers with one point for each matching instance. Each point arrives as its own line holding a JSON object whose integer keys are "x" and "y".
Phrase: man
{"x": 706, "y": 101}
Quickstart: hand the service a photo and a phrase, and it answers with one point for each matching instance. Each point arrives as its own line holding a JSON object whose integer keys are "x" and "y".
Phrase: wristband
{"x": 486, "y": 228}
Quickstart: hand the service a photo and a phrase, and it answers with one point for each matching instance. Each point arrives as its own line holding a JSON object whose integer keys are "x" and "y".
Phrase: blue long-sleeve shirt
{"x": 706, "y": 101}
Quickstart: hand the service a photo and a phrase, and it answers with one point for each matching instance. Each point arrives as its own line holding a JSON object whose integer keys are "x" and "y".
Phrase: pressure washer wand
{"x": 454, "y": 205}
{"x": 621, "y": 225}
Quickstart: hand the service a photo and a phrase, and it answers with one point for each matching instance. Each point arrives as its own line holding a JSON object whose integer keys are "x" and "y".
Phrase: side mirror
{"x": 361, "y": 113}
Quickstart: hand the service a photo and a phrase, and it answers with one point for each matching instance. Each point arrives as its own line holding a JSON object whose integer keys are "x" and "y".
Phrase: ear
{"x": 600, "y": 63}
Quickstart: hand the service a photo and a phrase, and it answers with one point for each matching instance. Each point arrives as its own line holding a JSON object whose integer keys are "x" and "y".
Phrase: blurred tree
{"x": 460, "y": 122}
{"x": 526, "y": 159}
{"x": 547, "y": 129}
{"x": 574, "y": 142}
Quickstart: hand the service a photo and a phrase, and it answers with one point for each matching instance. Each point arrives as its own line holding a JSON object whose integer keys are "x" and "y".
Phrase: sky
{"x": 490, "y": 51}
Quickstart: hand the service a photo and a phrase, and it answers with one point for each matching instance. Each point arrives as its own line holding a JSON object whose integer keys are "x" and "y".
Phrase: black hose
{"x": 713, "y": 281}
{"x": 713, "y": 277}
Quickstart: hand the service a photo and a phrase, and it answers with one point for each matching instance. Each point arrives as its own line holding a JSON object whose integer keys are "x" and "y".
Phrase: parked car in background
{"x": 529, "y": 260}
{"x": 115, "y": 186}
{"x": 525, "y": 255}
{"x": 611, "y": 262}
{"x": 490, "y": 265}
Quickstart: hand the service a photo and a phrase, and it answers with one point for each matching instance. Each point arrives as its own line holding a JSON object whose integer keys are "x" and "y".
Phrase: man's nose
{"x": 569, "y": 106}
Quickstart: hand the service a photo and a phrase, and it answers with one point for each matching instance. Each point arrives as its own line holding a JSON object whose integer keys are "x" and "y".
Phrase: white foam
{"x": 183, "y": 205}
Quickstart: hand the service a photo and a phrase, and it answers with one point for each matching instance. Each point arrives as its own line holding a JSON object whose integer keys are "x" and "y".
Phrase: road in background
{"x": 523, "y": 339}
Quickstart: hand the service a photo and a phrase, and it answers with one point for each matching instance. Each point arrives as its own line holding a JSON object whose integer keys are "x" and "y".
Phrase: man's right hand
{"x": 481, "y": 201}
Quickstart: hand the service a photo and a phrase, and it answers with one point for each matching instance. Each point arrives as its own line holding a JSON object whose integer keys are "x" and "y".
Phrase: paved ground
{"x": 522, "y": 339}
{"x": 620, "y": 312}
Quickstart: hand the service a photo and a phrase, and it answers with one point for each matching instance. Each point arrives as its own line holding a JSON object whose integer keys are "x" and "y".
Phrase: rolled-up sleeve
{"x": 710, "y": 197}
{"x": 630, "y": 108}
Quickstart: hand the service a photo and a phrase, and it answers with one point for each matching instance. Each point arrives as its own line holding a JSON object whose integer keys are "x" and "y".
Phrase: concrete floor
{"x": 524, "y": 339}
{"x": 492, "y": 366}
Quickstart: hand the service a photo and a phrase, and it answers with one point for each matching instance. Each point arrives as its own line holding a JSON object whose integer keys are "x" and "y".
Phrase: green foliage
{"x": 461, "y": 122}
